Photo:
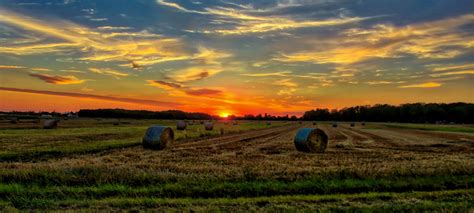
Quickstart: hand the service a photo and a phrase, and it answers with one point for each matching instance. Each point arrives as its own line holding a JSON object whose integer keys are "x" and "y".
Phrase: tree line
{"x": 143, "y": 114}
{"x": 407, "y": 113}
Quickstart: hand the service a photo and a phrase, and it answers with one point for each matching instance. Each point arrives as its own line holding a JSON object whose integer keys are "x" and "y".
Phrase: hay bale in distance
{"x": 158, "y": 137}
{"x": 352, "y": 124}
{"x": 50, "y": 124}
{"x": 311, "y": 140}
{"x": 222, "y": 131}
{"x": 208, "y": 126}
{"x": 314, "y": 123}
{"x": 181, "y": 125}
{"x": 45, "y": 116}
{"x": 14, "y": 120}
{"x": 334, "y": 125}
{"x": 362, "y": 124}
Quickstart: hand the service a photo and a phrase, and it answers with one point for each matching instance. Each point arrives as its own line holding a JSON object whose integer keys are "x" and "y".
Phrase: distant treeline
{"x": 407, "y": 113}
{"x": 266, "y": 117}
{"x": 123, "y": 113}
{"x": 28, "y": 114}
{"x": 413, "y": 113}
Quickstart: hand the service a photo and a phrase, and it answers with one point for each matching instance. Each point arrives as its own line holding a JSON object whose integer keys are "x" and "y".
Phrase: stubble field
{"x": 92, "y": 164}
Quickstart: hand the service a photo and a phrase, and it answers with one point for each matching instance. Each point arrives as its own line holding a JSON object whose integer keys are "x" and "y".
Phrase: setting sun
{"x": 224, "y": 114}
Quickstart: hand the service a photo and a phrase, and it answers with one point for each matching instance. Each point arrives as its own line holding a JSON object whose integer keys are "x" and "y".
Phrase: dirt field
{"x": 250, "y": 169}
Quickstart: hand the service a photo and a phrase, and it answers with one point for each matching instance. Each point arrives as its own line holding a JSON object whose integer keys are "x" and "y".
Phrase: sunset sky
{"x": 233, "y": 57}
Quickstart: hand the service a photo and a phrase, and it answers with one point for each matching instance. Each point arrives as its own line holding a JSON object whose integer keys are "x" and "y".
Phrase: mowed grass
{"x": 434, "y": 127}
{"x": 91, "y": 135}
{"x": 242, "y": 178}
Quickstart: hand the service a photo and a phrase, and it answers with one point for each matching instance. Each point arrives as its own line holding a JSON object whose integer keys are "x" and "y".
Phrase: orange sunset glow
{"x": 282, "y": 57}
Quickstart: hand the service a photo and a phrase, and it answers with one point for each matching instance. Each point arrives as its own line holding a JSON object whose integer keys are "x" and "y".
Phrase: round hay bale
{"x": 158, "y": 137}
{"x": 352, "y": 124}
{"x": 181, "y": 125}
{"x": 50, "y": 124}
{"x": 334, "y": 125}
{"x": 14, "y": 120}
{"x": 314, "y": 123}
{"x": 363, "y": 124}
{"x": 208, "y": 126}
{"x": 222, "y": 131}
{"x": 311, "y": 140}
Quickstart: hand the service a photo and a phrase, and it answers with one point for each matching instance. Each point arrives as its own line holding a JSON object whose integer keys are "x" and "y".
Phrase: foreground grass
{"x": 453, "y": 200}
{"x": 28, "y": 196}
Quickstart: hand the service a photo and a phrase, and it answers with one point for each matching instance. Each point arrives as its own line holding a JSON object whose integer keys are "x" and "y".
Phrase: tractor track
{"x": 234, "y": 141}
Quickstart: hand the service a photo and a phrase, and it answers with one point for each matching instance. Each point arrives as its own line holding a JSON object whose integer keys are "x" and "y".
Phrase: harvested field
{"x": 253, "y": 167}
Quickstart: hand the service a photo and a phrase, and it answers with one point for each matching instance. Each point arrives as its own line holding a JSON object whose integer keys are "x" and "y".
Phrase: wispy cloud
{"x": 203, "y": 92}
{"x": 164, "y": 85}
{"x": 180, "y": 90}
{"x": 280, "y": 74}
{"x": 145, "y": 49}
{"x": 436, "y": 39}
{"x": 261, "y": 24}
{"x": 384, "y": 82}
{"x": 289, "y": 86}
{"x": 195, "y": 73}
{"x": 11, "y": 67}
{"x": 246, "y": 23}
{"x": 439, "y": 68}
{"x": 89, "y": 96}
{"x": 177, "y": 6}
{"x": 58, "y": 79}
{"x": 113, "y": 28}
{"x": 464, "y": 72}
{"x": 423, "y": 85}
{"x": 31, "y": 49}
{"x": 108, "y": 71}
{"x": 40, "y": 69}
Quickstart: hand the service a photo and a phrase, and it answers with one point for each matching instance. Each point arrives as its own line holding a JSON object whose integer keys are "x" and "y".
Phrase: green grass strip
{"x": 421, "y": 200}
{"x": 209, "y": 189}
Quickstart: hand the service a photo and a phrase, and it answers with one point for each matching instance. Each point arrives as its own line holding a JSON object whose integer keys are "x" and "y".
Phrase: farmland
{"x": 99, "y": 164}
